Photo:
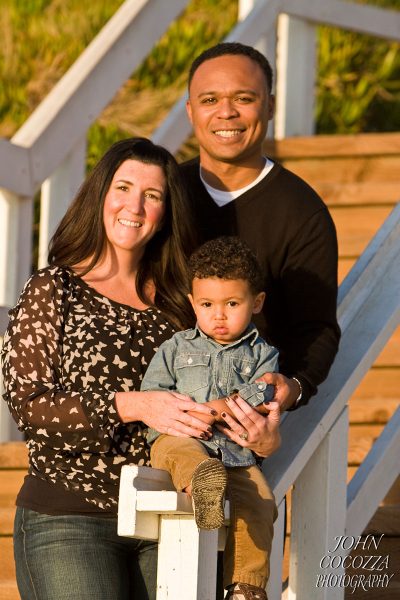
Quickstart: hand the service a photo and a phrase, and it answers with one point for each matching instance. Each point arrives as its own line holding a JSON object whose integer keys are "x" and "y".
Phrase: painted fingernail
{"x": 223, "y": 415}
{"x": 228, "y": 399}
{"x": 209, "y": 429}
{"x": 214, "y": 412}
{"x": 204, "y": 436}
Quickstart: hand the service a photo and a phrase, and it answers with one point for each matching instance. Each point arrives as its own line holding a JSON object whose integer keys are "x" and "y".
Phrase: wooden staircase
{"x": 358, "y": 177}
{"x": 13, "y": 466}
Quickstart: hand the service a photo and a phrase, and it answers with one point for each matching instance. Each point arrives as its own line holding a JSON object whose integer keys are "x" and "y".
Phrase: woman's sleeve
{"x": 32, "y": 363}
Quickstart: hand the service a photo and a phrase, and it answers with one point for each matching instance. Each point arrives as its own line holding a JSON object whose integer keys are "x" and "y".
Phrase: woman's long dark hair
{"x": 81, "y": 234}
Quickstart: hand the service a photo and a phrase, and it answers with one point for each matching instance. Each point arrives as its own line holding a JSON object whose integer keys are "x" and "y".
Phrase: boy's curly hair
{"x": 226, "y": 257}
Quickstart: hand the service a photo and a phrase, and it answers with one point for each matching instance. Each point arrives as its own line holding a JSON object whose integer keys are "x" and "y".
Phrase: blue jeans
{"x": 76, "y": 557}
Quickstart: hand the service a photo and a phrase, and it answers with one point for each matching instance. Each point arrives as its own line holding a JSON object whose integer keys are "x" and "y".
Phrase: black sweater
{"x": 290, "y": 230}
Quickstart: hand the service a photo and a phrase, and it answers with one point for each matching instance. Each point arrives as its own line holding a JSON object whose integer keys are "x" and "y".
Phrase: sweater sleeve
{"x": 309, "y": 287}
{"x": 48, "y": 412}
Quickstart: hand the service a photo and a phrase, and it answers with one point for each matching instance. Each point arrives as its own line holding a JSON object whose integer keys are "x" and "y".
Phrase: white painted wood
{"x": 362, "y": 340}
{"x": 133, "y": 478}
{"x": 380, "y": 22}
{"x": 318, "y": 515}
{"x": 63, "y": 118}
{"x": 244, "y": 7}
{"x": 9, "y": 217}
{"x": 274, "y": 587}
{"x": 15, "y": 255}
{"x": 163, "y": 502}
{"x": 3, "y": 319}
{"x": 187, "y": 560}
{"x": 56, "y": 195}
{"x": 296, "y": 67}
{"x": 15, "y": 171}
{"x": 374, "y": 477}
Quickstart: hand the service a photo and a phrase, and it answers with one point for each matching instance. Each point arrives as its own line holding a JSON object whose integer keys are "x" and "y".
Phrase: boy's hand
{"x": 286, "y": 390}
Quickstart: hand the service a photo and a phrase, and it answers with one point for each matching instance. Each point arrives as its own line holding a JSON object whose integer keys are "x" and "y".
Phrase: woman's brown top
{"x": 66, "y": 352}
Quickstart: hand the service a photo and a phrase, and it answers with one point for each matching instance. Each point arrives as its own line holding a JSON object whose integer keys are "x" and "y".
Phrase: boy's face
{"x": 224, "y": 307}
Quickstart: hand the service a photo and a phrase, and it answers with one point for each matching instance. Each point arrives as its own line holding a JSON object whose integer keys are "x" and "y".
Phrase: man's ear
{"x": 258, "y": 303}
{"x": 271, "y": 106}
{"x": 189, "y": 110}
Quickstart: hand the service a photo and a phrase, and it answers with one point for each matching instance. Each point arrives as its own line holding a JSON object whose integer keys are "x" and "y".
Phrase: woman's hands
{"x": 167, "y": 412}
{"x": 286, "y": 390}
{"x": 252, "y": 430}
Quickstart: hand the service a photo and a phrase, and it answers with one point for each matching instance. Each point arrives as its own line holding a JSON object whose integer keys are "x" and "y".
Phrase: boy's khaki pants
{"x": 252, "y": 507}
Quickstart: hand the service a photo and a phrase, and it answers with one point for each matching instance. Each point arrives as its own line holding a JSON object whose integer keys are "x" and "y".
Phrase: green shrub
{"x": 358, "y": 86}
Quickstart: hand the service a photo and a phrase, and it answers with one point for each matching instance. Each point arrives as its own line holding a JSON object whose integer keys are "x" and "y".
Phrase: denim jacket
{"x": 194, "y": 364}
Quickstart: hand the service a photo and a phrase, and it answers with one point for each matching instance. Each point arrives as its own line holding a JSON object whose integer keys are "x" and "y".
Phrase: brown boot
{"x": 245, "y": 591}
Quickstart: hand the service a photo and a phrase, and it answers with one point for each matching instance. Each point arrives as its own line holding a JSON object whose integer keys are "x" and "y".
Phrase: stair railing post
{"x": 15, "y": 267}
{"x": 318, "y": 519}
{"x": 295, "y": 67}
{"x": 57, "y": 193}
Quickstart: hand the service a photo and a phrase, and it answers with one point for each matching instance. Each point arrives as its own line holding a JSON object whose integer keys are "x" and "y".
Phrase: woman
{"x": 79, "y": 339}
{"x": 77, "y": 345}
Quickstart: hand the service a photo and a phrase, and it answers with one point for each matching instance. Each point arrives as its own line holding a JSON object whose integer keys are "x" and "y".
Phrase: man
{"x": 236, "y": 190}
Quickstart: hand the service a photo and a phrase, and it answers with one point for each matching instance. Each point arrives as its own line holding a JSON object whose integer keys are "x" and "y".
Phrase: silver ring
{"x": 244, "y": 436}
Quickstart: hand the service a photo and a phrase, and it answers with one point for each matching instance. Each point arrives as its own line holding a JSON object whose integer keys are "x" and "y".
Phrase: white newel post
{"x": 57, "y": 193}
{"x": 150, "y": 508}
{"x": 319, "y": 502}
{"x": 187, "y": 559}
{"x": 296, "y": 56}
{"x": 15, "y": 267}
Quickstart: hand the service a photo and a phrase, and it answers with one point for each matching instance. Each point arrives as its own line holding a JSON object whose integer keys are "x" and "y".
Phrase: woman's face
{"x": 134, "y": 205}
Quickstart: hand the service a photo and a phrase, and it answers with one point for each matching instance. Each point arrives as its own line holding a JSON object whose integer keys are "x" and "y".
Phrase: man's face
{"x": 229, "y": 107}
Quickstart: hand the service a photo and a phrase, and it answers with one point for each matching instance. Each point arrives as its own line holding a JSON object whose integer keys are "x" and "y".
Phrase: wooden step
{"x": 13, "y": 455}
{"x": 356, "y": 226}
{"x": 361, "y": 439}
{"x": 343, "y": 170}
{"x": 371, "y": 410}
{"x": 388, "y": 546}
{"x": 386, "y": 520}
{"x": 7, "y": 559}
{"x": 334, "y": 146}
{"x": 10, "y": 484}
{"x": 9, "y": 590}
{"x": 380, "y": 382}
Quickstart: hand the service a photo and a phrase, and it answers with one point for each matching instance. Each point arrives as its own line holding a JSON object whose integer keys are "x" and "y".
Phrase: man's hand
{"x": 286, "y": 390}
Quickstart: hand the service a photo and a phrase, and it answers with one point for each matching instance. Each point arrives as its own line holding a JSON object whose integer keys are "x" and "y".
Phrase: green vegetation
{"x": 358, "y": 87}
{"x": 358, "y": 76}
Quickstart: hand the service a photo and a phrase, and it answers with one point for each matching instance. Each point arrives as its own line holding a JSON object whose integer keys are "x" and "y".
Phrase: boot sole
{"x": 208, "y": 491}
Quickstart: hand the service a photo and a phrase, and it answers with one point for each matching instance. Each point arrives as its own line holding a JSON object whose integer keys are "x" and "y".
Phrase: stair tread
{"x": 9, "y": 590}
{"x": 13, "y": 455}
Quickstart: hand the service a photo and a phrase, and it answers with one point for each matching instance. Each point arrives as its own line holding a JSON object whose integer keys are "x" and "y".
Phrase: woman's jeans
{"x": 76, "y": 557}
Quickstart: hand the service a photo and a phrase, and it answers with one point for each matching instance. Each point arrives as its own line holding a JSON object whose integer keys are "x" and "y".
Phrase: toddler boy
{"x": 221, "y": 356}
